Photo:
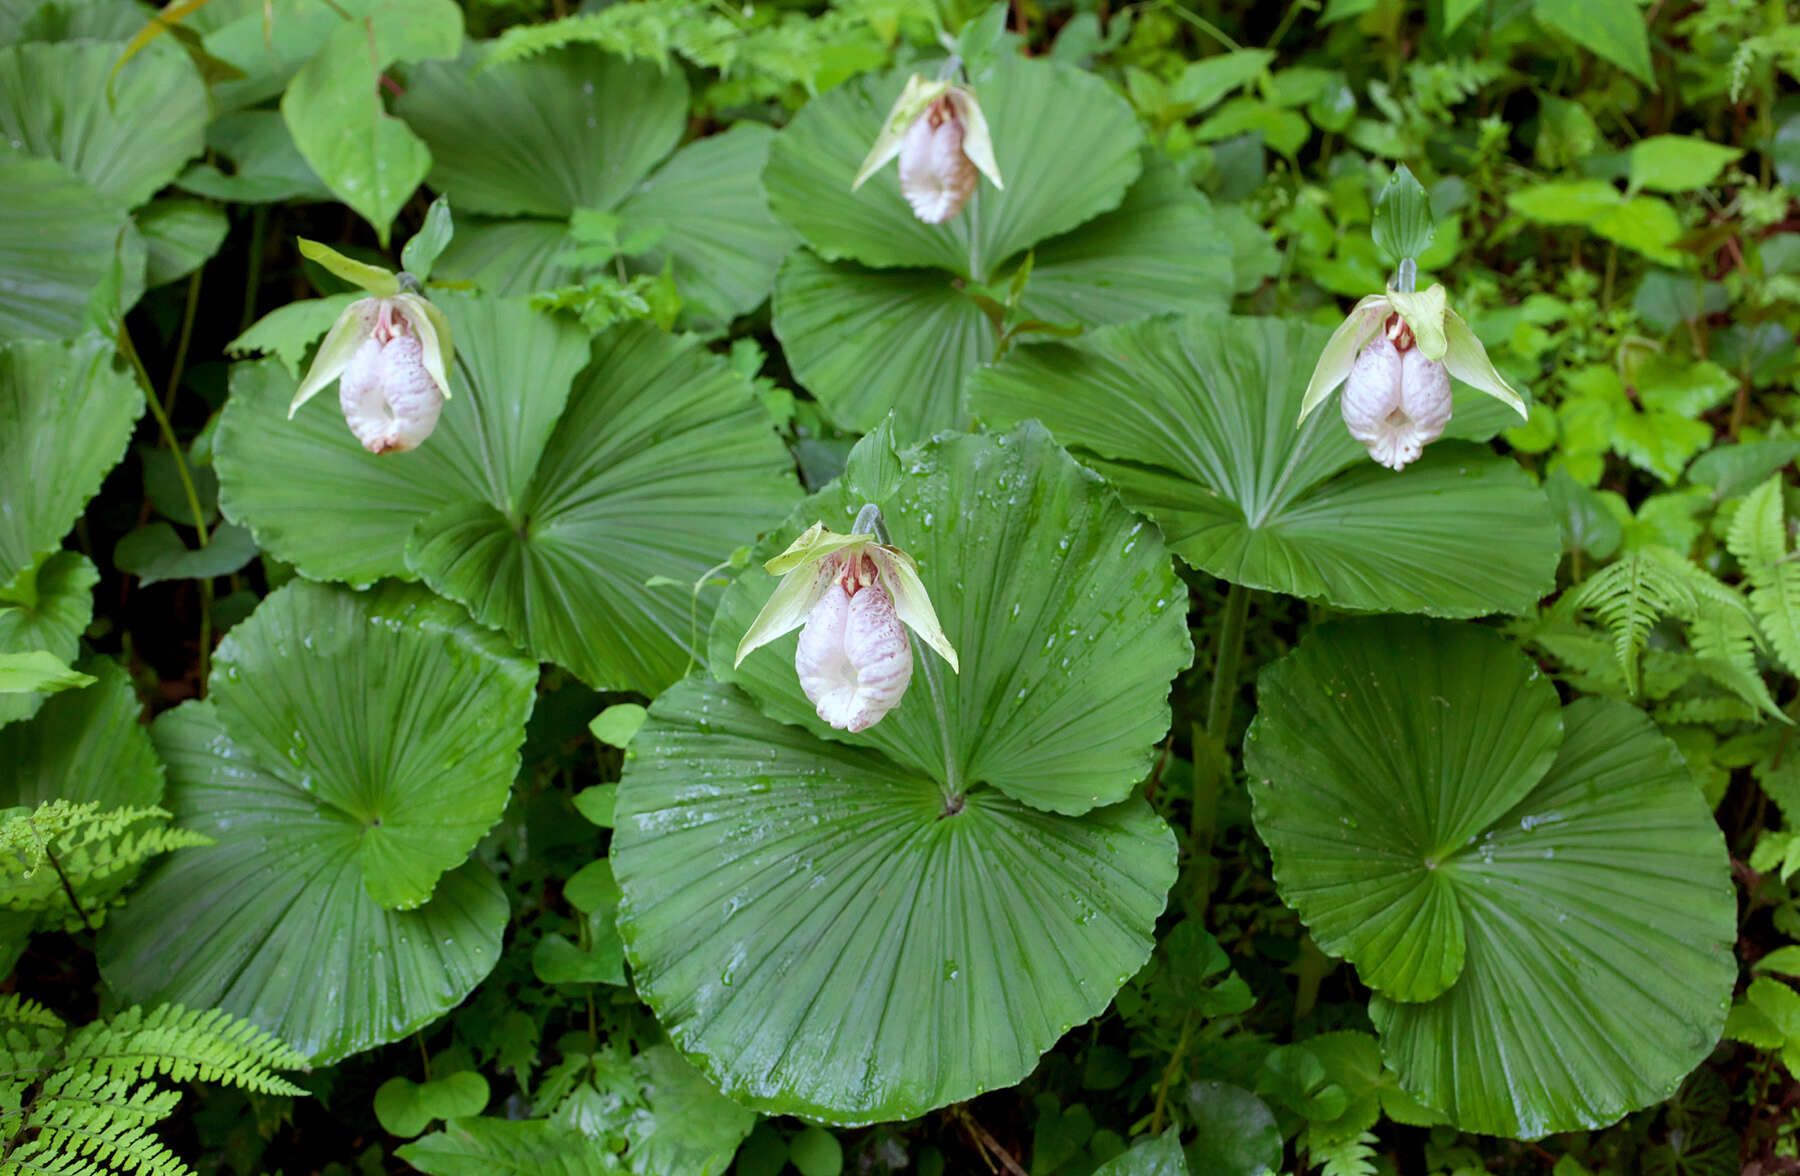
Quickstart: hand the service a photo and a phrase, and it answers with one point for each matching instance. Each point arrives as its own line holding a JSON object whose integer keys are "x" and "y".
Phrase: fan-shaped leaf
{"x": 1062, "y": 605}
{"x": 354, "y": 748}
{"x": 1067, "y": 147}
{"x": 1592, "y": 906}
{"x": 58, "y": 241}
{"x": 1193, "y": 420}
{"x": 824, "y": 937}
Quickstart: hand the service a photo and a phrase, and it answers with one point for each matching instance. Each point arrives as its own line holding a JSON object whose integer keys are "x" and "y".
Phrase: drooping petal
{"x": 1468, "y": 361}
{"x": 814, "y": 543}
{"x": 389, "y": 400}
{"x": 788, "y": 608}
{"x": 936, "y": 178}
{"x": 854, "y": 660}
{"x": 1340, "y": 352}
{"x": 432, "y": 327}
{"x": 906, "y": 110}
{"x": 977, "y": 143}
{"x": 334, "y": 354}
{"x": 1423, "y": 312}
{"x": 912, "y": 603}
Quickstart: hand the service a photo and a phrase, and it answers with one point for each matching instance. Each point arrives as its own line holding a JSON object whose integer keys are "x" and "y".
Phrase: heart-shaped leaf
{"x": 1541, "y": 899}
{"x": 824, "y": 936}
{"x": 547, "y": 511}
{"x": 1193, "y": 420}
{"x": 1062, "y": 605}
{"x": 353, "y": 748}
{"x": 405, "y": 1108}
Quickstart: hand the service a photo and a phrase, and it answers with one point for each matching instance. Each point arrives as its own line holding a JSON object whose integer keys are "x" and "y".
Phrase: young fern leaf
{"x": 1347, "y": 1157}
{"x": 61, "y": 846}
{"x": 84, "y": 1104}
{"x": 1725, "y": 644}
{"x": 1758, "y": 538}
{"x": 1628, "y": 598}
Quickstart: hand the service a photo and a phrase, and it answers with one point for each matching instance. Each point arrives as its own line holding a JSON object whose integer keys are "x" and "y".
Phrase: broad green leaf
{"x": 1647, "y": 224}
{"x": 662, "y": 464}
{"x": 155, "y": 552}
{"x": 180, "y": 235}
{"x": 1424, "y": 777}
{"x": 1028, "y": 104}
{"x": 54, "y": 104}
{"x": 1160, "y": 1156}
{"x": 823, "y": 937}
{"x": 868, "y": 342}
{"x": 314, "y": 497}
{"x": 58, "y": 239}
{"x": 546, "y": 511}
{"x": 544, "y": 136}
{"x": 288, "y": 332}
{"x": 1237, "y": 1135}
{"x": 266, "y": 167}
{"x": 706, "y": 211}
{"x": 38, "y": 672}
{"x": 1203, "y": 83}
{"x": 423, "y": 250}
{"x": 69, "y": 20}
{"x": 523, "y": 1147}
{"x": 1575, "y": 202}
{"x": 617, "y": 723}
{"x": 269, "y": 43}
{"x": 1062, "y": 605}
{"x": 1592, "y": 900}
{"x": 84, "y": 745}
{"x": 1193, "y": 420}
{"x": 353, "y": 749}
{"x": 45, "y": 609}
{"x": 816, "y": 1151}
{"x": 66, "y": 415}
{"x": 1614, "y": 29}
{"x": 1677, "y": 163}
{"x": 510, "y": 258}
{"x": 691, "y": 1127}
{"x": 333, "y": 106}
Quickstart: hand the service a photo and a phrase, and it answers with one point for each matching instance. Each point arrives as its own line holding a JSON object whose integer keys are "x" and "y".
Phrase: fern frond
{"x": 1725, "y": 647}
{"x": 71, "y": 1097}
{"x": 1628, "y": 597}
{"x": 1347, "y": 1157}
{"x": 1711, "y": 710}
{"x": 96, "y": 1147}
{"x": 25, "y": 837}
{"x": 97, "y": 851}
{"x": 1758, "y": 538}
{"x": 183, "y": 1045}
{"x": 643, "y": 30}
{"x": 16, "y": 1011}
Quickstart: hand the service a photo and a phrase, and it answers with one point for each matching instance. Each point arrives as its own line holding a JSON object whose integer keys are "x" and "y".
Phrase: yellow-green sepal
{"x": 335, "y": 351}
{"x": 1467, "y": 360}
{"x": 377, "y": 281}
{"x": 912, "y": 102}
{"x": 912, "y": 604}
{"x": 1335, "y": 361}
{"x": 814, "y": 543}
{"x": 1423, "y": 313}
{"x": 432, "y": 326}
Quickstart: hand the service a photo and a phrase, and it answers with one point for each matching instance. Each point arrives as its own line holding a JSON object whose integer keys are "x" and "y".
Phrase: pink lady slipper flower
{"x": 388, "y": 352}
{"x": 1395, "y": 355}
{"x": 941, "y": 137}
{"x": 853, "y": 596}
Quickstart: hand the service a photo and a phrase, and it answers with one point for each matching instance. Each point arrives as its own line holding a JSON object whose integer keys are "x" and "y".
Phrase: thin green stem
{"x": 1206, "y": 26}
{"x": 168, "y": 431}
{"x": 68, "y": 889}
{"x": 259, "y": 228}
{"x": 870, "y": 522}
{"x": 975, "y": 259}
{"x": 181, "y": 344}
{"x": 1225, "y": 663}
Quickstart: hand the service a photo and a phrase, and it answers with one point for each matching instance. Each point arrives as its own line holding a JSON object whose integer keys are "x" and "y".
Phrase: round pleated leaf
{"x": 1581, "y": 877}
{"x": 50, "y": 617}
{"x": 83, "y": 745}
{"x": 1193, "y": 420}
{"x": 822, "y": 937}
{"x": 547, "y": 511}
{"x": 1373, "y": 765}
{"x": 58, "y": 241}
{"x": 314, "y": 497}
{"x": 546, "y": 135}
{"x": 66, "y": 415}
{"x": 662, "y": 465}
{"x": 1063, "y": 607}
{"x": 867, "y": 342}
{"x": 127, "y": 140}
{"x": 1066, "y": 144}
{"x": 509, "y": 258}
{"x": 353, "y": 749}
{"x": 706, "y": 213}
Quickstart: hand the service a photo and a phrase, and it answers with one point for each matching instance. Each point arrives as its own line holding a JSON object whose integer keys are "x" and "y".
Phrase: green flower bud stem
{"x": 870, "y": 522}
{"x": 1406, "y": 278}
